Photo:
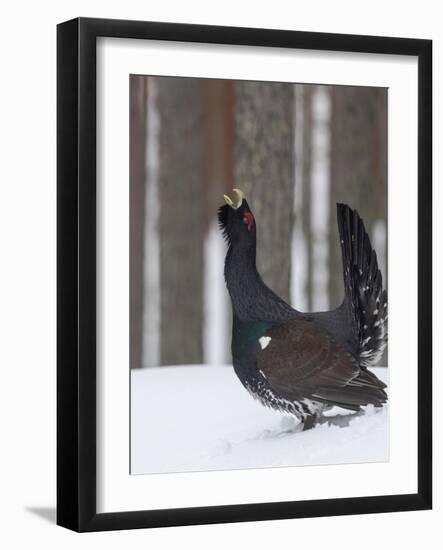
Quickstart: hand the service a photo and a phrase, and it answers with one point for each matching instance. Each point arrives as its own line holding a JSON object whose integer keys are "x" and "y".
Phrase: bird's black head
{"x": 237, "y": 222}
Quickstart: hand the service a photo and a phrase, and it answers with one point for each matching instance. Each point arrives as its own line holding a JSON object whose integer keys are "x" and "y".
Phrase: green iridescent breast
{"x": 245, "y": 335}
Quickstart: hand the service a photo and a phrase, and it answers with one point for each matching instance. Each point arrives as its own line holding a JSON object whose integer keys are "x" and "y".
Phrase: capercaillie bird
{"x": 304, "y": 363}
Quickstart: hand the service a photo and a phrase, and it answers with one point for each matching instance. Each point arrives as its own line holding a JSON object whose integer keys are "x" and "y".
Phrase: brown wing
{"x": 300, "y": 357}
{"x": 302, "y": 360}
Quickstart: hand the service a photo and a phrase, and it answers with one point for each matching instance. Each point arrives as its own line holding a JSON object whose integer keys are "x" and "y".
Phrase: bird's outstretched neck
{"x": 251, "y": 298}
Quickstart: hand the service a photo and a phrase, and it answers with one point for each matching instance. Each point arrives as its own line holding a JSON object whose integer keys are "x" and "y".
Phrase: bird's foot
{"x": 310, "y": 422}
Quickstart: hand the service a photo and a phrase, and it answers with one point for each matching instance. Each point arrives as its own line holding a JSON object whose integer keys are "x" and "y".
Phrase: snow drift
{"x": 196, "y": 418}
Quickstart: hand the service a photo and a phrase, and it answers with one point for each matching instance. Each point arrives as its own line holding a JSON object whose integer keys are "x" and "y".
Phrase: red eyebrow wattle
{"x": 250, "y": 218}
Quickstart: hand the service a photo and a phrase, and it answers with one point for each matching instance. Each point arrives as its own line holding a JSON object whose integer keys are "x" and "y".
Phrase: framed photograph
{"x": 238, "y": 211}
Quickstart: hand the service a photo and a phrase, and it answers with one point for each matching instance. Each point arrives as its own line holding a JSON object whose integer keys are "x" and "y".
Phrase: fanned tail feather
{"x": 364, "y": 294}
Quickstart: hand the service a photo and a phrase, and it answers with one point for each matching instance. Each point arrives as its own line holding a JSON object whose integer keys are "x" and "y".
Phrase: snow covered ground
{"x": 196, "y": 418}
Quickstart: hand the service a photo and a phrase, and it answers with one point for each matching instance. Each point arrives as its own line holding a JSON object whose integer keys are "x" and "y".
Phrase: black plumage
{"x": 303, "y": 363}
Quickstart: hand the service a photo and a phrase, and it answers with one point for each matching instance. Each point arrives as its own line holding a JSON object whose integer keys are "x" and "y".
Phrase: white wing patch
{"x": 264, "y": 341}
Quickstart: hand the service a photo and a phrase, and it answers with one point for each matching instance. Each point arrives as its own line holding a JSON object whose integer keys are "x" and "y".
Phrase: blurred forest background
{"x": 295, "y": 150}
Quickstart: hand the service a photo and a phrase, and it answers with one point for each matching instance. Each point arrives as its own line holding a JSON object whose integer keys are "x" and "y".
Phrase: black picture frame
{"x": 76, "y": 266}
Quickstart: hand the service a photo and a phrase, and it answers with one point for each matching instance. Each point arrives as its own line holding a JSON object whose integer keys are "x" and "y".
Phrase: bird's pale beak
{"x": 240, "y": 197}
{"x": 228, "y": 201}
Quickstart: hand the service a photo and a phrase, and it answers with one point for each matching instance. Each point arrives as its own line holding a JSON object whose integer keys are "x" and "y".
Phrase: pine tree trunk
{"x": 181, "y": 219}
{"x": 138, "y": 98}
{"x": 358, "y": 164}
{"x": 264, "y": 153}
{"x": 307, "y": 187}
{"x": 219, "y": 178}
{"x": 219, "y": 147}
